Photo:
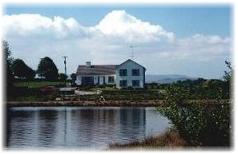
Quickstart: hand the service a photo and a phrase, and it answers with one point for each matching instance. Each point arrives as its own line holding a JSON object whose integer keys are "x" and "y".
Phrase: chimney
{"x": 88, "y": 64}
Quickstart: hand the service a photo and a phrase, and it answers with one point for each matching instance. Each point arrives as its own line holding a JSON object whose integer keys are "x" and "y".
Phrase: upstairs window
{"x": 123, "y": 72}
{"x": 135, "y": 72}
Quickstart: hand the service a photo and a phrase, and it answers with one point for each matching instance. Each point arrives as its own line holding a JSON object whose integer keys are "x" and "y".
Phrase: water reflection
{"x": 47, "y": 126}
{"x": 79, "y": 127}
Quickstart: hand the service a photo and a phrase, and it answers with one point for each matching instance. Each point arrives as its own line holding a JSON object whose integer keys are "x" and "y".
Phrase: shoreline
{"x": 168, "y": 139}
{"x": 113, "y": 103}
{"x": 108, "y": 103}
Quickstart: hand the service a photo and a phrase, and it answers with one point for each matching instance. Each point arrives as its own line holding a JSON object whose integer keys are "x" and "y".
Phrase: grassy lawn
{"x": 31, "y": 91}
{"x": 105, "y": 88}
{"x": 38, "y": 84}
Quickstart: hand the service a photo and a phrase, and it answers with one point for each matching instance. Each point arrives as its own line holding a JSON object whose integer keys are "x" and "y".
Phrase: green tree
{"x": 228, "y": 74}
{"x": 47, "y": 69}
{"x": 8, "y": 62}
{"x": 21, "y": 70}
{"x": 228, "y": 77}
{"x": 62, "y": 77}
{"x": 73, "y": 78}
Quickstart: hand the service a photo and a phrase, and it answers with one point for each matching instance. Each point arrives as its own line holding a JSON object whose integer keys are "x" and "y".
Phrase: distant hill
{"x": 166, "y": 78}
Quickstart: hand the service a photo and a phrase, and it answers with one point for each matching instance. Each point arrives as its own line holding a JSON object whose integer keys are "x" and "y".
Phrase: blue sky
{"x": 208, "y": 27}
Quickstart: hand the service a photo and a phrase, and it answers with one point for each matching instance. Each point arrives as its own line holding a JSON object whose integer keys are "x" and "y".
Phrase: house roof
{"x": 96, "y": 70}
{"x": 131, "y": 61}
{"x": 100, "y": 69}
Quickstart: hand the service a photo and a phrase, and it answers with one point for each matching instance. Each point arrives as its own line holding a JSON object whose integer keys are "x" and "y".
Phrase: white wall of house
{"x": 129, "y": 66}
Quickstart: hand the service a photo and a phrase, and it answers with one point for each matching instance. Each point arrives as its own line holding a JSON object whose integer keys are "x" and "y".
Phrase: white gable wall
{"x": 130, "y": 65}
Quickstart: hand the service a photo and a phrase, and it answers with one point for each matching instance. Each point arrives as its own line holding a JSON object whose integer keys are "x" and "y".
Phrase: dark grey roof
{"x": 96, "y": 70}
{"x": 131, "y": 61}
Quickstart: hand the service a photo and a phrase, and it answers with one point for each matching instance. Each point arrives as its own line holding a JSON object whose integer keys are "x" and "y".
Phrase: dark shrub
{"x": 198, "y": 124}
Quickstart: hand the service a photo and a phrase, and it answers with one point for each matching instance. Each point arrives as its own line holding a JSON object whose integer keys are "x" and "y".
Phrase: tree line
{"x": 18, "y": 69}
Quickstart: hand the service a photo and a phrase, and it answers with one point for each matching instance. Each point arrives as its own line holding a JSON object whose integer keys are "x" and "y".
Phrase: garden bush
{"x": 199, "y": 125}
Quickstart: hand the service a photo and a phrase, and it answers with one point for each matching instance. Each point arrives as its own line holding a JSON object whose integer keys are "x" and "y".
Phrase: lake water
{"x": 80, "y": 127}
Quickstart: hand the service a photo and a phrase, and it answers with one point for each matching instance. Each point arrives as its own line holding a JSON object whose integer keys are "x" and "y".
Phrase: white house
{"x": 127, "y": 74}
{"x": 130, "y": 74}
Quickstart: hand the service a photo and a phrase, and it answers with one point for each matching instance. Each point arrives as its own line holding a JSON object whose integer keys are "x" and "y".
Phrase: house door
{"x": 104, "y": 80}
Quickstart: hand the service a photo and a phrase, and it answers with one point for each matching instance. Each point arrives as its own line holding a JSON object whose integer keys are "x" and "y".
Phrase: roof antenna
{"x": 132, "y": 51}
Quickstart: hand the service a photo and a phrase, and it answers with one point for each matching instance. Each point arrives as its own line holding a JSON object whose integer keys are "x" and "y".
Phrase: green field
{"x": 38, "y": 84}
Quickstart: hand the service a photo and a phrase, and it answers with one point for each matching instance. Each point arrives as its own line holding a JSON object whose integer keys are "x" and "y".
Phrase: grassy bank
{"x": 31, "y": 91}
{"x": 111, "y": 103}
{"x": 118, "y": 103}
{"x": 169, "y": 139}
{"x": 38, "y": 84}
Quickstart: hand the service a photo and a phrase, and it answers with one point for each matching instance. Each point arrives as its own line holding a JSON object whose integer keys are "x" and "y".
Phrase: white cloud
{"x": 204, "y": 47}
{"x": 33, "y": 36}
{"x": 24, "y": 25}
{"x": 120, "y": 24}
{"x": 116, "y": 24}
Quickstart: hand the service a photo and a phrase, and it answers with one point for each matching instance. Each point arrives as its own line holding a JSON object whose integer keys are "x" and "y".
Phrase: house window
{"x": 123, "y": 83}
{"x": 111, "y": 79}
{"x": 135, "y": 72}
{"x": 123, "y": 72}
{"x": 135, "y": 83}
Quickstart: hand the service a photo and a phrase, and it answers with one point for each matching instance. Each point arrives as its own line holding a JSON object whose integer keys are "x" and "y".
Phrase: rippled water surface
{"x": 80, "y": 127}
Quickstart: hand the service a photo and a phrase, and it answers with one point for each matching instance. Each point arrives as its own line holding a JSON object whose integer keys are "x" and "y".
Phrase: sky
{"x": 188, "y": 40}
